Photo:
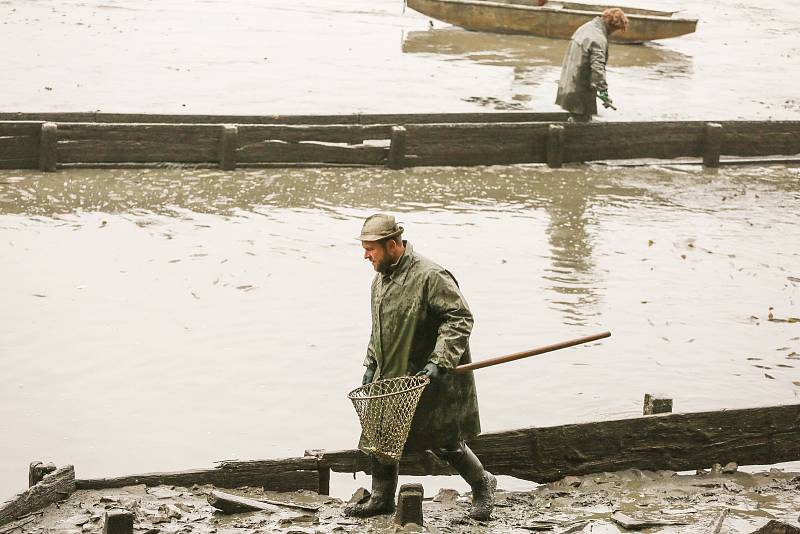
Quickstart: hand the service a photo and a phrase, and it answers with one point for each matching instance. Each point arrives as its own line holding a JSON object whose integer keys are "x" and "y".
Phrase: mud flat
{"x": 656, "y": 501}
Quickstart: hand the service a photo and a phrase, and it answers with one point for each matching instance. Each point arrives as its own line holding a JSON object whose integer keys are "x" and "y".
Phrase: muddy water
{"x": 344, "y": 56}
{"x": 163, "y": 319}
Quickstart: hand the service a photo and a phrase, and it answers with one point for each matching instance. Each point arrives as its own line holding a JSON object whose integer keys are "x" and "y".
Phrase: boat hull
{"x": 545, "y": 21}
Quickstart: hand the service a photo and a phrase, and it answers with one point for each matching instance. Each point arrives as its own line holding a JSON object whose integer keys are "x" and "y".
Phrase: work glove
{"x": 369, "y": 374}
{"x": 431, "y": 370}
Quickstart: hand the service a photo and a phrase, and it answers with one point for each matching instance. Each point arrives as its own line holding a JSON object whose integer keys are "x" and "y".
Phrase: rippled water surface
{"x": 163, "y": 319}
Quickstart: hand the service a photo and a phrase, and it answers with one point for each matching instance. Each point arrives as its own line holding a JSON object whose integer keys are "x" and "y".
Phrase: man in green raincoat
{"x": 583, "y": 71}
{"x": 421, "y": 325}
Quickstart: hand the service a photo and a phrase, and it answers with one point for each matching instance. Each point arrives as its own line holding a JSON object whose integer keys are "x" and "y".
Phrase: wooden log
{"x": 632, "y": 140}
{"x": 37, "y": 471}
{"x": 555, "y": 146}
{"x": 288, "y": 474}
{"x": 48, "y": 142}
{"x": 118, "y": 522}
{"x": 761, "y": 138}
{"x": 712, "y": 145}
{"x": 54, "y": 487}
{"x": 397, "y": 148}
{"x": 655, "y": 404}
{"x": 234, "y": 504}
{"x": 677, "y": 442}
{"x": 228, "y": 145}
{"x": 352, "y": 134}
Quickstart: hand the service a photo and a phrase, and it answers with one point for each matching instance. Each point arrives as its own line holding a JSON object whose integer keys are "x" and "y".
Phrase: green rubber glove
{"x": 431, "y": 370}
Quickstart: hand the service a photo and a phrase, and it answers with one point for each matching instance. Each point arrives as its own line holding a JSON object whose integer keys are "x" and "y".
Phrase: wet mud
{"x": 633, "y": 500}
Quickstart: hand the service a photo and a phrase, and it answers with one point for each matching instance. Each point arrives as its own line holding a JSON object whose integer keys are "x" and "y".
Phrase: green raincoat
{"x": 420, "y": 316}
{"x": 583, "y": 72}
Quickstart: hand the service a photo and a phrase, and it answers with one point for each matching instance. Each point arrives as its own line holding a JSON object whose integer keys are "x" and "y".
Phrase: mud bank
{"x": 605, "y": 502}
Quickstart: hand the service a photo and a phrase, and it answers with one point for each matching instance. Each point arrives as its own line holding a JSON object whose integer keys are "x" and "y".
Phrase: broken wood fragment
{"x": 233, "y": 504}
{"x": 654, "y": 404}
{"x": 629, "y": 523}
{"x": 717, "y": 526}
{"x": 54, "y": 487}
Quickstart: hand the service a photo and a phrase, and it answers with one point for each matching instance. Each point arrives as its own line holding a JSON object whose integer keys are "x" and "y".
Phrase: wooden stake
{"x": 48, "y": 141}
{"x": 118, "y": 522}
{"x": 409, "y": 505}
{"x": 229, "y": 142}
{"x": 713, "y": 144}
{"x": 555, "y": 146}
{"x": 654, "y": 404}
{"x": 397, "y": 149}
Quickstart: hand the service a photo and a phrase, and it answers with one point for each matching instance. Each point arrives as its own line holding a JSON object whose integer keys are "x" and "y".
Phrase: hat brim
{"x": 377, "y": 237}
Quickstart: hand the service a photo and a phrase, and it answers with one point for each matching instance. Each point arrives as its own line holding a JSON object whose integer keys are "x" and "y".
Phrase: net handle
{"x": 528, "y": 353}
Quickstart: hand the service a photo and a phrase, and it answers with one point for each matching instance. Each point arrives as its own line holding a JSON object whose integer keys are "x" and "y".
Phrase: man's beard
{"x": 384, "y": 265}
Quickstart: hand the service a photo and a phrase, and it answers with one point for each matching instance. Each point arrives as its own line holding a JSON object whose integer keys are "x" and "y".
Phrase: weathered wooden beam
{"x": 48, "y": 143}
{"x": 228, "y": 145}
{"x": 54, "y": 487}
{"x": 712, "y": 145}
{"x": 555, "y": 146}
{"x": 397, "y": 148}
{"x": 752, "y": 436}
{"x": 288, "y": 474}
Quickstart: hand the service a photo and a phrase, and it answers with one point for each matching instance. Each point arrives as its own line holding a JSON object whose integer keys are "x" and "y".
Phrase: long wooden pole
{"x": 526, "y": 354}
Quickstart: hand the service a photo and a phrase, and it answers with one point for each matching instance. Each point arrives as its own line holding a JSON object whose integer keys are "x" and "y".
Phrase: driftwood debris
{"x": 233, "y": 504}
{"x": 54, "y": 487}
{"x": 630, "y": 523}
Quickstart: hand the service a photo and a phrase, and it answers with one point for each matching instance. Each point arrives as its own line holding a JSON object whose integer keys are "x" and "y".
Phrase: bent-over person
{"x": 583, "y": 71}
{"x": 421, "y": 326}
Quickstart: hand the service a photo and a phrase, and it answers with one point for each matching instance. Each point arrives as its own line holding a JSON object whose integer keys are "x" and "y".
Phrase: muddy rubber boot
{"x": 384, "y": 485}
{"x": 482, "y": 482}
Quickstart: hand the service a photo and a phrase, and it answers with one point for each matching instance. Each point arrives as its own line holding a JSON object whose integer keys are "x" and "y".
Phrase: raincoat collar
{"x": 398, "y": 271}
{"x": 598, "y": 21}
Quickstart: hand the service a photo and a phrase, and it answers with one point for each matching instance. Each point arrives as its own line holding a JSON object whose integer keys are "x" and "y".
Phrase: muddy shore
{"x": 662, "y": 501}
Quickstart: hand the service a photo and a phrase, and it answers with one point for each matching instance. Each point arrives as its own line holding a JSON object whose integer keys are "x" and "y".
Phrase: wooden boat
{"x": 554, "y": 19}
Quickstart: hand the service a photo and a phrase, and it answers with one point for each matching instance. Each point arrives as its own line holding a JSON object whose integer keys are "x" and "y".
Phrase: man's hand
{"x": 607, "y": 103}
{"x": 368, "y": 376}
{"x": 431, "y": 370}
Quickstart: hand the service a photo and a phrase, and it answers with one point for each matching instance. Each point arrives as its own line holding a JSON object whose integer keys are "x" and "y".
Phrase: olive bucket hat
{"x": 379, "y": 226}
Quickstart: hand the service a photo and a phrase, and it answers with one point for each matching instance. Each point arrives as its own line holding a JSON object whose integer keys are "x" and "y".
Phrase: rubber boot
{"x": 381, "y": 500}
{"x": 482, "y": 482}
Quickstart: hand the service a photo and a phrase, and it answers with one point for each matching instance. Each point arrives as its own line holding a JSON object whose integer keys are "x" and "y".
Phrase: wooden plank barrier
{"x": 19, "y": 145}
{"x": 89, "y": 143}
{"x": 752, "y": 436}
{"x": 340, "y": 143}
{"x": 30, "y": 144}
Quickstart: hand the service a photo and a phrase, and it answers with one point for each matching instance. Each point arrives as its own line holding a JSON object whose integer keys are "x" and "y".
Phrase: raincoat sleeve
{"x": 369, "y": 360}
{"x": 597, "y": 67}
{"x": 446, "y": 302}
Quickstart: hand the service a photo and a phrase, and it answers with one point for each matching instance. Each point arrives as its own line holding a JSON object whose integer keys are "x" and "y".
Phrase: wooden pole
{"x": 712, "y": 145}
{"x": 48, "y": 141}
{"x": 397, "y": 148}
{"x": 555, "y": 146}
{"x": 528, "y": 353}
{"x": 228, "y": 144}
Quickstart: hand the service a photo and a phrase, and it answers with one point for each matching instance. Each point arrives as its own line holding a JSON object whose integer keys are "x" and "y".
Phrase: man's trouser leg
{"x": 482, "y": 482}
{"x": 384, "y": 485}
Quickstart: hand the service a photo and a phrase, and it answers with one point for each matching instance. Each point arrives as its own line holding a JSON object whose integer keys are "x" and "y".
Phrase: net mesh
{"x": 385, "y": 409}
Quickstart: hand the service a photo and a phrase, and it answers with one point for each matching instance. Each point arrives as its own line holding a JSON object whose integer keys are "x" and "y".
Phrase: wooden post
{"x": 48, "y": 142}
{"x": 229, "y": 142}
{"x": 712, "y": 145}
{"x": 37, "y": 470}
{"x": 409, "y": 505}
{"x": 654, "y": 404}
{"x": 397, "y": 148}
{"x": 118, "y": 522}
{"x": 555, "y": 146}
{"x": 323, "y": 469}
